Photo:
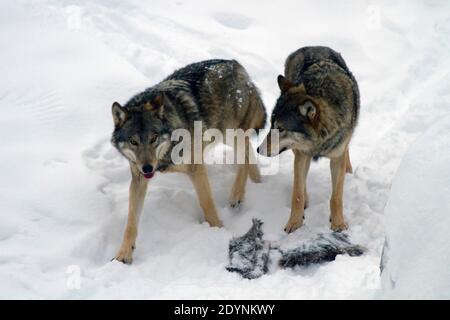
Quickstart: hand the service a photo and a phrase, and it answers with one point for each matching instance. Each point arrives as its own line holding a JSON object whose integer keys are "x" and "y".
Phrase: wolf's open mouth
{"x": 148, "y": 175}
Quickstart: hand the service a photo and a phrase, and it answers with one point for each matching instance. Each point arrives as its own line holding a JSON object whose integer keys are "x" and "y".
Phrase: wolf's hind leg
{"x": 301, "y": 165}
{"x": 305, "y": 174}
{"x": 348, "y": 164}
{"x": 138, "y": 188}
{"x": 338, "y": 167}
{"x": 238, "y": 190}
{"x": 199, "y": 177}
{"x": 253, "y": 169}
{"x": 248, "y": 169}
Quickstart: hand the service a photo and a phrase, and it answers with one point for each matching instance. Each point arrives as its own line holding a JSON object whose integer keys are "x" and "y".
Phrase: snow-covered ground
{"x": 416, "y": 258}
{"x": 63, "y": 188}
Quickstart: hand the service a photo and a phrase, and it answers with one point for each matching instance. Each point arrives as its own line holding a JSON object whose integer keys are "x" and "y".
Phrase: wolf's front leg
{"x": 338, "y": 167}
{"x": 138, "y": 188}
{"x": 301, "y": 166}
{"x": 199, "y": 178}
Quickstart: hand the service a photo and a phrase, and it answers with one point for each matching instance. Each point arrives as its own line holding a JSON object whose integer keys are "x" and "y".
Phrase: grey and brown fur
{"x": 217, "y": 92}
{"x": 316, "y": 115}
{"x": 251, "y": 256}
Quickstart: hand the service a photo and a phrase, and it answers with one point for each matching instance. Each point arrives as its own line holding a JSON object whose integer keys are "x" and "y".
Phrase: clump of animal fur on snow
{"x": 250, "y": 255}
{"x": 322, "y": 249}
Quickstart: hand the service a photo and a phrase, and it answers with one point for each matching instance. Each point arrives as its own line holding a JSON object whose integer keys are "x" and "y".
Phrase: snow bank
{"x": 416, "y": 258}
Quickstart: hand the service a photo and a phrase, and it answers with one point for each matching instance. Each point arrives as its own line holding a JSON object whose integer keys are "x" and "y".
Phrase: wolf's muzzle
{"x": 147, "y": 171}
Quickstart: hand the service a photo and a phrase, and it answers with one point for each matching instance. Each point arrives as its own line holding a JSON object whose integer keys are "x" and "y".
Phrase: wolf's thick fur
{"x": 316, "y": 114}
{"x": 217, "y": 92}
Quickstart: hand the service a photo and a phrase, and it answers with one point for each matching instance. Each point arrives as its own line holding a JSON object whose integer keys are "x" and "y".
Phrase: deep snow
{"x": 63, "y": 191}
{"x": 416, "y": 258}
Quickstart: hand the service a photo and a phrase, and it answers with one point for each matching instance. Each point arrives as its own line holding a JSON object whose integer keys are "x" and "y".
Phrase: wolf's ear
{"x": 120, "y": 114}
{"x": 301, "y": 88}
{"x": 158, "y": 100}
{"x": 284, "y": 83}
{"x": 308, "y": 109}
{"x": 156, "y": 104}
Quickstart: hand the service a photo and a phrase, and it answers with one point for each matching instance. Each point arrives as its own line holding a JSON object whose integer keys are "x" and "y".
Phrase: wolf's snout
{"x": 147, "y": 170}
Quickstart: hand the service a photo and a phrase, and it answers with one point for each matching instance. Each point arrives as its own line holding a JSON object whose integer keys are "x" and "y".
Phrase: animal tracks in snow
{"x": 232, "y": 20}
{"x": 105, "y": 160}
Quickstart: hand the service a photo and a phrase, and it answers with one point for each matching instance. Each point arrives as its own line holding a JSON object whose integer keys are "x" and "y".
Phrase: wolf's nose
{"x": 148, "y": 168}
{"x": 257, "y": 149}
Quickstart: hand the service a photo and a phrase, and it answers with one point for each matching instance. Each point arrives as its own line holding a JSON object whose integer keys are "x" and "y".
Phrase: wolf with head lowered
{"x": 220, "y": 94}
{"x": 315, "y": 116}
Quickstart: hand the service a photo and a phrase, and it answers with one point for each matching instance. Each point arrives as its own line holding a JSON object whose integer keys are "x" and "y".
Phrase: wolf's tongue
{"x": 149, "y": 175}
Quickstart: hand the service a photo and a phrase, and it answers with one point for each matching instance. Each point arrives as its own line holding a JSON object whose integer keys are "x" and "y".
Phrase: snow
{"x": 63, "y": 188}
{"x": 417, "y": 255}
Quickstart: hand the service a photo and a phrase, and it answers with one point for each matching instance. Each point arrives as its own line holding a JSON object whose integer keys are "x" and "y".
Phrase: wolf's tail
{"x": 322, "y": 249}
{"x": 257, "y": 110}
{"x": 261, "y": 114}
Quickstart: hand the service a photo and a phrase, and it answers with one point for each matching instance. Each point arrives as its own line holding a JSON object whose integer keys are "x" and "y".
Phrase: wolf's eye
{"x": 133, "y": 142}
{"x": 153, "y": 139}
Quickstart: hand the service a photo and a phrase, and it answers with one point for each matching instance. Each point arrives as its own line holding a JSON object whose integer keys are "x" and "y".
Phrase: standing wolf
{"x": 315, "y": 114}
{"x": 220, "y": 94}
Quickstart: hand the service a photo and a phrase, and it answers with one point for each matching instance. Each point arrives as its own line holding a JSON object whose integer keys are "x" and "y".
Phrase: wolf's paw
{"x": 293, "y": 224}
{"x": 339, "y": 226}
{"x": 214, "y": 222}
{"x": 236, "y": 199}
{"x": 235, "y": 204}
{"x": 125, "y": 255}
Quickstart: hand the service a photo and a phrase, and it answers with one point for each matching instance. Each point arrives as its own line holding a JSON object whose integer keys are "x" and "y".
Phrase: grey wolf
{"x": 220, "y": 94}
{"x": 251, "y": 256}
{"x": 315, "y": 116}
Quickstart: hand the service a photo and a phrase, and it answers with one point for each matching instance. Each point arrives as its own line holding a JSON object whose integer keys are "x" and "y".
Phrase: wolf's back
{"x": 300, "y": 60}
{"x": 194, "y": 73}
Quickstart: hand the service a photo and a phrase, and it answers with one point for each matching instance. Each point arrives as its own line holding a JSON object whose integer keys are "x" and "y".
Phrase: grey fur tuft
{"x": 325, "y": 248}
{"x": 250, "y": 255}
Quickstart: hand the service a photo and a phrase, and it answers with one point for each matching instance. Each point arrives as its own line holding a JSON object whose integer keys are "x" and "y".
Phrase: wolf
{"x": 315, "y": 115}
{"x": 221, "y": 95}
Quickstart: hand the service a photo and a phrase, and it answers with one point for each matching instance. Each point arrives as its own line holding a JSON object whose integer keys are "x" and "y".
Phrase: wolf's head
{"x": 140, "y": 134}
{"x": 296, "y": 117}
